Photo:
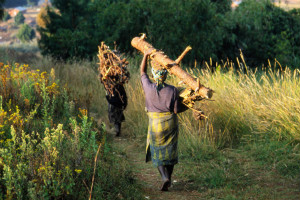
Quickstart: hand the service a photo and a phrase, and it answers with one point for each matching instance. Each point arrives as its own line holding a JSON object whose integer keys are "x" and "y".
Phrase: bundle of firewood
{"x": 112, "y": 69}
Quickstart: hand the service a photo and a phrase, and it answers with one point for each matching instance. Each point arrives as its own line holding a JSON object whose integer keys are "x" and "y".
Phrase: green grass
{"x": 262, "y": 170}
{"x": 19, "y": 53}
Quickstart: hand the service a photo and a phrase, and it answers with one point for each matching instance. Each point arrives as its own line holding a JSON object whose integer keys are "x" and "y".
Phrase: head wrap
{"x": 159, "y": 76}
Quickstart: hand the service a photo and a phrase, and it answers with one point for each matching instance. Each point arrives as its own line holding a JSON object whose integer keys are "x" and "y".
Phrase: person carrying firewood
{"x": 162, "y": 105}
{"x": 117, "y": 103}
{"x": 113, "y": 74}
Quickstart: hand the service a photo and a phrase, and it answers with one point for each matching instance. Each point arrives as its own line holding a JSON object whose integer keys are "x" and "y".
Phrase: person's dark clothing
{"x": 115, "y": 114}
{"x": 117, "y": 103}
{"x": 118, "y": 98}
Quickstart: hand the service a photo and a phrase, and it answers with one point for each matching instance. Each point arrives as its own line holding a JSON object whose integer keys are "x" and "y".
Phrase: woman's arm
{"x": 181, "y": 107}
{"x": 144, "y": 62}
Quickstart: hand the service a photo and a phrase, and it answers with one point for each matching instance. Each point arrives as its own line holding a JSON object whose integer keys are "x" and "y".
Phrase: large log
{"x": 173, "y": 67}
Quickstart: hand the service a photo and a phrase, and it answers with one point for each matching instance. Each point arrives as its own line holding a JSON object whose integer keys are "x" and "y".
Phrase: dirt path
{"x": 148, "y": 176}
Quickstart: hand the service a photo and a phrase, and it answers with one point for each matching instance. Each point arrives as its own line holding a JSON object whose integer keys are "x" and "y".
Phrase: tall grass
{"x": 19, "y": 53}
{"x": 246, "y": 104}
{"x": 256, "y": 103}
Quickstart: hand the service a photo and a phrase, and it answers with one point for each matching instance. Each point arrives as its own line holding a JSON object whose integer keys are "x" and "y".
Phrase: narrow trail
{"x": 148, "y": 176}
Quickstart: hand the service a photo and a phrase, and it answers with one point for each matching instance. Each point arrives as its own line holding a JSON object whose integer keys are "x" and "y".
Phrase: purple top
{"x": 164, "y": 100}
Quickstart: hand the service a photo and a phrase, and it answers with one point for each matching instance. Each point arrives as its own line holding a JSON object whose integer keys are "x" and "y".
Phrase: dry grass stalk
{"x": 112, "y": 69}
{"x": 95, "y": 165}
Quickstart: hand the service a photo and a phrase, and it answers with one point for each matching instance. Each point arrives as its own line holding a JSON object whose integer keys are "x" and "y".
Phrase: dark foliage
{"x": 261, "y": 30}
{"x": 264, "y": 31}
{"x": 26, "y": 33}
{"x": 19, "y": 18}
{"x": 170, "y": 25}
{"x": 70, "y": 33}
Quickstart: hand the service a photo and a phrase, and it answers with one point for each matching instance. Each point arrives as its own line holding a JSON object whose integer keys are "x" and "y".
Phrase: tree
{"x": 43, "y": 18}
{"x": 25, "y": 33}
{"x": 19, "y": 18}
{"x": 70, "y": 33}
{"x": 264, "y": 31}
{"x": 170, "y": 25}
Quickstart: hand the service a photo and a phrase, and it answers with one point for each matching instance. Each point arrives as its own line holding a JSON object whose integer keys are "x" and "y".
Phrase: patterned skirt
{"x": 162, "y": 139}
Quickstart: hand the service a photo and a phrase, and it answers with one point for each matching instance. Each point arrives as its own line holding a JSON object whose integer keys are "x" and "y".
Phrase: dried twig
{"x": 112, "y": 69}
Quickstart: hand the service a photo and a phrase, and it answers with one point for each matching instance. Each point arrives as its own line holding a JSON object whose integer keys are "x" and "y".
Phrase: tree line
{"x": 74, "y": 29}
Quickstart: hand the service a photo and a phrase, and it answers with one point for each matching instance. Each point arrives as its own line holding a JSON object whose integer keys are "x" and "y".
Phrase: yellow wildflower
{"x": 83, "y": 112}
{"x": 78, "y": 171}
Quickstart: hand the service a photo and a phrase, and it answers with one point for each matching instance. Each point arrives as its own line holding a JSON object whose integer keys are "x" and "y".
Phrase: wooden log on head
{"x": 172, "y": 66}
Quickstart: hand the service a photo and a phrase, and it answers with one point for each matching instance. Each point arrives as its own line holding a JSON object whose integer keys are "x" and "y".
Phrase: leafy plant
{"x": 25, "y": 33}
{"x": 19, "y": 18}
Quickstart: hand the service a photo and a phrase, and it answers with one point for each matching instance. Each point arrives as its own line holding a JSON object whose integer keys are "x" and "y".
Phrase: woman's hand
{"x": 199, "y": 115}
{"x": 148, "y": 52}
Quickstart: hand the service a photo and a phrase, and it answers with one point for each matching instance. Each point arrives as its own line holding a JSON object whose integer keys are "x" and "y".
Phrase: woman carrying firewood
{"x": 162, "y": 108}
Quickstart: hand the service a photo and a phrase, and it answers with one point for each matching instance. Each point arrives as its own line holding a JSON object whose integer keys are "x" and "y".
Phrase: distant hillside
{"x": 288, "y": 4}
{"x": 16, "y": 3}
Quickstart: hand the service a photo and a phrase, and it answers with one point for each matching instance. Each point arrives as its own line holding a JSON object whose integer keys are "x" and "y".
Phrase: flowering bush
{"x": 47, "y": 148}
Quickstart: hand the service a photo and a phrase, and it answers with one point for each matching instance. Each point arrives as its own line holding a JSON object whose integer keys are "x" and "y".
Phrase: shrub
{"x": 19, "y": 18}
{"x": 25, "y": 33}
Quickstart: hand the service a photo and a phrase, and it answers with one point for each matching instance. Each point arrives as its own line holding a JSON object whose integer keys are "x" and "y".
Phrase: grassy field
{"x": 248, "y": 148}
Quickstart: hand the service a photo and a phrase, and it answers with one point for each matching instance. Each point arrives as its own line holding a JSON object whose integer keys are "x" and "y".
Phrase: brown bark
{"x": 173, "y": 67}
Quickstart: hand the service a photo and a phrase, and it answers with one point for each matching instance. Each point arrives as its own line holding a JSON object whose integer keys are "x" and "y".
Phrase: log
{"x": 173, "y": 67}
